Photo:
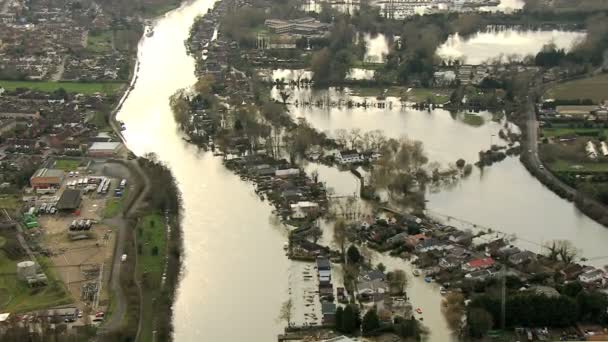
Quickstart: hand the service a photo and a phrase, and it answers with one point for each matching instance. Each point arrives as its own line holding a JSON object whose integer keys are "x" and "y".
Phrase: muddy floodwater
{"x": 235, "y": 270}
{"x": 502, "y": 44}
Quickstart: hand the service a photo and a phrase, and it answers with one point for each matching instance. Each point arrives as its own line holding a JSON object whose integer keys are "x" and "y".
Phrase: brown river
{"x": 235, "y": 273}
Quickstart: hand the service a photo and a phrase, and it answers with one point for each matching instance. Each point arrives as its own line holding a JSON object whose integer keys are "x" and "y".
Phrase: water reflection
{"x": 500, "y": 44}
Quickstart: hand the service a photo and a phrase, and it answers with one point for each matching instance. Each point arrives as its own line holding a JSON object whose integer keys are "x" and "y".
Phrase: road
{"x": 533, "y": 156}
{"x": 121, "y": 224}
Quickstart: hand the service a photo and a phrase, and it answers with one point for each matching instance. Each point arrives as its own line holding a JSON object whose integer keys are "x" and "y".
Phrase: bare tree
{"x": 285, "y": 313}
{"x": 562, "y": 249}
{"x": 397, "y": 281}
{"x": 340, "y": 235}
{"x": 342, "y": 137}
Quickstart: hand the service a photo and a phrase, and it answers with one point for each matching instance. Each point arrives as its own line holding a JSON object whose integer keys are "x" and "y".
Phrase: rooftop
{"x": 44, "y": 172}
{"x": 105, "y": 146}
{"x": 70, "y": 199}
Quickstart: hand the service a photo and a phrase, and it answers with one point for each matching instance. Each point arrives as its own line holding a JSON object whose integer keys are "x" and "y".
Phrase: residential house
{"x": 304, "y": 209}
{"x": 522, "y": 257}
{"x": 507, "y": 251}
{"x": 348, "y": 157}
{"x": 478, "y": 264}
{"x": 372, "y": 275}
{"x": 591, "y": 276}
{"x": 367, "y": 288}
{"x": 480, "y": 275}
{"x": 450, "y": 263}
{"x": 398, "y": 239}
{"x": 430, "y": 245}
{"x": 571, "y": 271}
{"x": 545, "y": 291}
{"x": 413, "y": 240}
{"x": 487, "y": 239}
{"x": 461, "y": 237}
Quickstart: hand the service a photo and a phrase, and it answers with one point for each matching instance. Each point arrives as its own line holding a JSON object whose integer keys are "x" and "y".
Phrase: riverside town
{"x": 303, "y": 170}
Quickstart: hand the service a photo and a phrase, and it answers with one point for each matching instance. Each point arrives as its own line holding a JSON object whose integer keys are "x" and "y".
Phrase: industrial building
{"x": 47, "y": 178}
{"x": 69, "y": 200}
{"x": 105, "y": 149}
{"x": 303, "y": 26}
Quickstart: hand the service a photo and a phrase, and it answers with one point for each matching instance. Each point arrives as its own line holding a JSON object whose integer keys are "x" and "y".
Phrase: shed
{"x": 323, "y": 264}
{"x": 69, "y": 200}
{"x": 328, "y": 310}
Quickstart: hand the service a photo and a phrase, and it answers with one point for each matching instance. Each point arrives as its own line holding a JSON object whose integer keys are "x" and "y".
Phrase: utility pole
{"x": 503, "y": 311}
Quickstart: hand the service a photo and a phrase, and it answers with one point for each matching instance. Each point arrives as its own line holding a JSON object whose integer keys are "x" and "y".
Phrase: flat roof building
{"x": 105, "y": 149}
{"x": 69, "y": 200}
{"x": 47, "y": 178}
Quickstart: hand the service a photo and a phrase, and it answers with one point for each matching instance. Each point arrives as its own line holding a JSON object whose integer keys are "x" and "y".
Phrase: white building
{"x": 348, "y": 157}
{"x": 591, "y": 276}
{"x": 303, "y": 208}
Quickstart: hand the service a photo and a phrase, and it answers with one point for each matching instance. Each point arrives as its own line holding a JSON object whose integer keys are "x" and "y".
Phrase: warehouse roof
{"x": 69, "y": 200}
{"x": 104, "y": 146}
{"x": 44, "y": 172}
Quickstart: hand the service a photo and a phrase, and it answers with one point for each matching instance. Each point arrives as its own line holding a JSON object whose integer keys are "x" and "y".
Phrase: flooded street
{"x": 235, "y": 269}
{"x": 501, "y": 44}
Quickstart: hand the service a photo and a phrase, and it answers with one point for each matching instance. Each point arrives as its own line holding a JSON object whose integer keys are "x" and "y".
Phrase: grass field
{"x": 67, "y": 164}
{"x": 594, "y": 88}
{"x": 561, "y": 131}
{"x": 152, "y": 242}
{"x": 115, "y": 205}
{"x": 10, "y": 202}
{"x": 567, "y": 166}
{"x": 70, "y": 87}
{"x": 100, "y": 42}
{"x": 473, "y": 120}
{"x": 16, "y": 296}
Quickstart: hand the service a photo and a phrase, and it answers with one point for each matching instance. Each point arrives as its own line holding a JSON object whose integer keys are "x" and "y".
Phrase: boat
{"x": 428, "y": 279}
{"x": 419, "y": 310}
{"x": 150, "y": 32}
{"x": 416, "y": 272}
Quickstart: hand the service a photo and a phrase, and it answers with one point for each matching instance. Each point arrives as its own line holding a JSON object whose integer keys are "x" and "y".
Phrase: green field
{"x": 561, "y": 131}
{"x": 67, "y": 164}
{"x": 115, "y": 205}
{"x": 70, "y": 87}
{"x": 16, "y": 296}
{"x": 100, "y": 42}
{"x": 566, "y": 166}
{"x": 473, "y": 120}
{"x": 594, "y": 88}
{"x": 10, "y": 202}
{"x": 151, "y": 236}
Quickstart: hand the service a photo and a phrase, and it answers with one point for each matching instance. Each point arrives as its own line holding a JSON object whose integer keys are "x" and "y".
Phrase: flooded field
{"x": 501, "y": 45}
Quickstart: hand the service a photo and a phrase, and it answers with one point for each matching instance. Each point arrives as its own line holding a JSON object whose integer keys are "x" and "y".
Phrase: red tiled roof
{"x": 485, "y": 262}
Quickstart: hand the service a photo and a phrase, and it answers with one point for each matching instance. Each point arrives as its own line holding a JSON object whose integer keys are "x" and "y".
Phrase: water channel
{"x": 235, "y": 270}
